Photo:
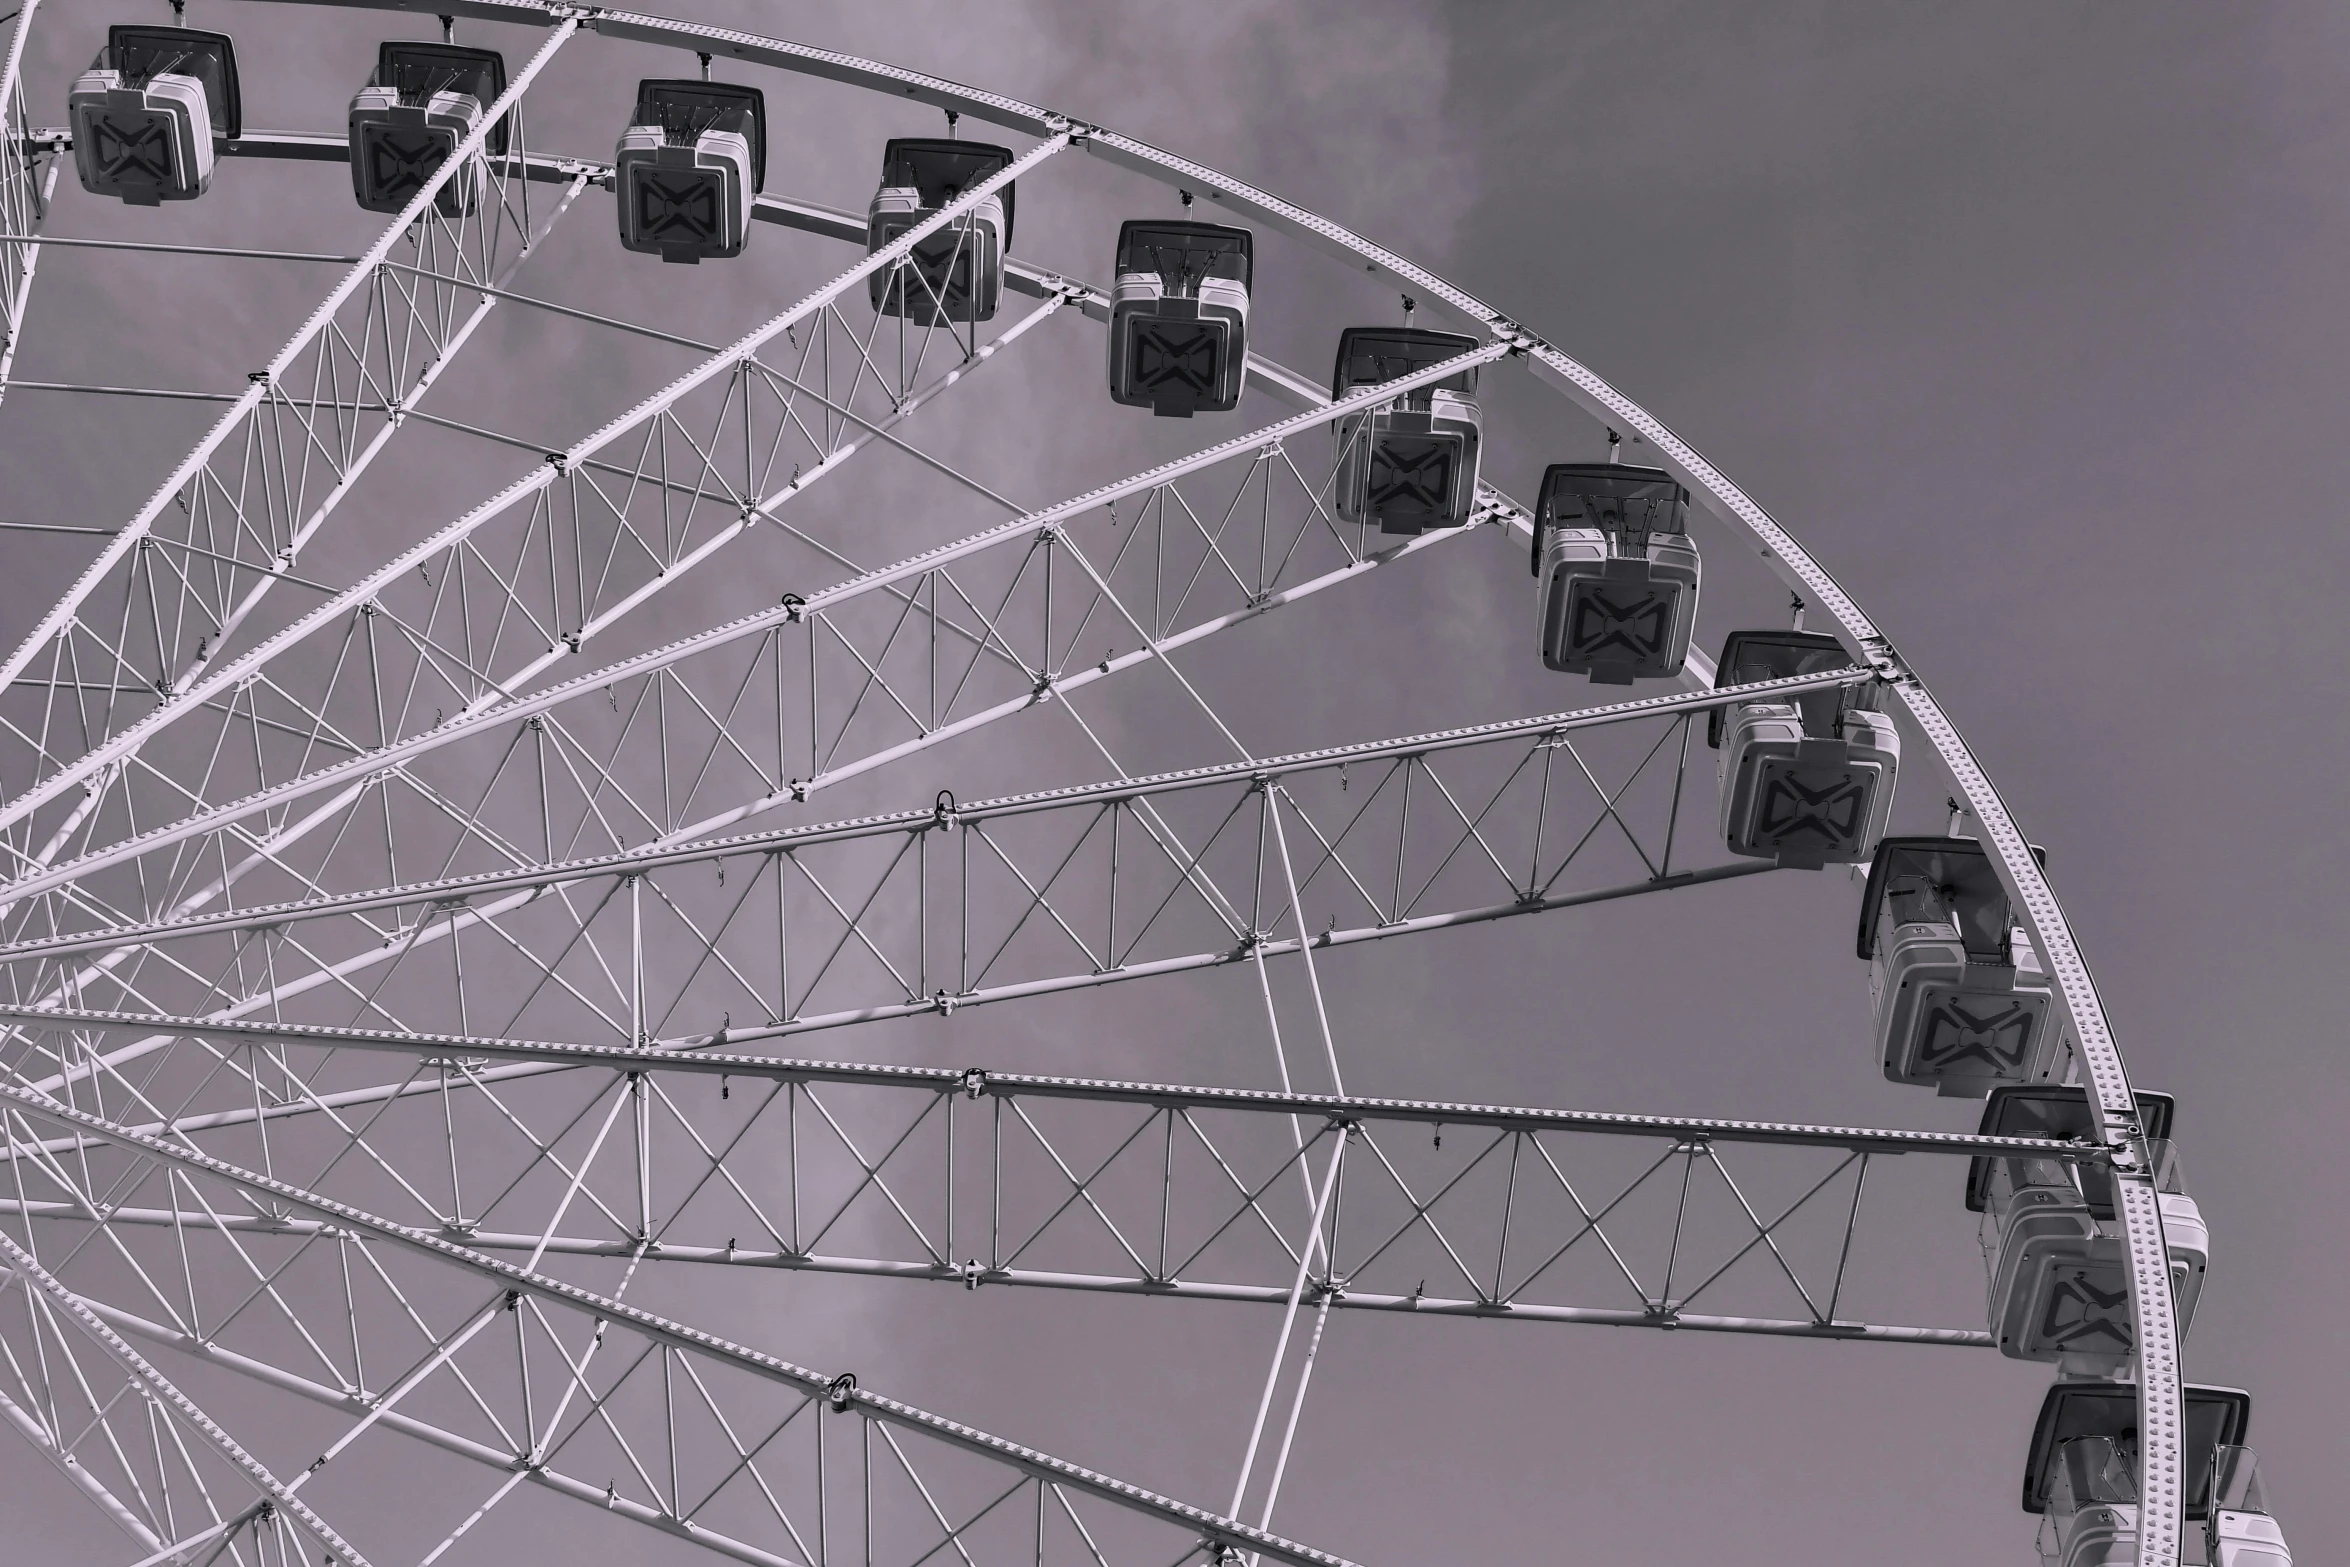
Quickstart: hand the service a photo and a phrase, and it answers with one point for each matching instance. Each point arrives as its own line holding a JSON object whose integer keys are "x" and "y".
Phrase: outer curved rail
{"x": 2115, "y": 1109}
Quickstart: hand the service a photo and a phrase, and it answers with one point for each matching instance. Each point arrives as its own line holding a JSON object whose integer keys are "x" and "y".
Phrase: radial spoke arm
{"x": 932, "y": 1482}
{"x": 984, "y": 1177}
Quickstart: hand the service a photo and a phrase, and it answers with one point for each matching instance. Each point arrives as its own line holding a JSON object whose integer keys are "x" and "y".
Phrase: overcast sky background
{"x": 2025, "y": 319}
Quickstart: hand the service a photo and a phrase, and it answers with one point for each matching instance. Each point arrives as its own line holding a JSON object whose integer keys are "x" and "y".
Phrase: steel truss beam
{"x": 926, "y": 911}
{"x": 997, "y": 586}
{"x": 1063, "y": 1183}
{"x": 736, "y": 1450}
{"x": 198, "y": 559}
{"x": 466, "y": 652}
{"x": 82, "y": 1405}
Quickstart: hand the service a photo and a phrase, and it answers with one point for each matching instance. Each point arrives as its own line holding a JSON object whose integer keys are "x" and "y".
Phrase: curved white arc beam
{"x": 33, "y": 1276}
{"x": 979, "y": 1081}
{"x": 127, "y": 539}
{"x": 542, "y": 477}
{"x": 516, "y": 707}
{"x": 538, "y": 878}
{"x": 664, "y": 1330}
{"x": 2113, "y": 1104}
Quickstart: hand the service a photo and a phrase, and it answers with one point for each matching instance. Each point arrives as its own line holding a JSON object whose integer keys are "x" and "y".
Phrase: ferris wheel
{"x": 413, "y": 905}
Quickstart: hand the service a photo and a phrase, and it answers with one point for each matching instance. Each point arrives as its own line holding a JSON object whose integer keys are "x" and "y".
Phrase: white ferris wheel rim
{"x": 2113, "y": 1104}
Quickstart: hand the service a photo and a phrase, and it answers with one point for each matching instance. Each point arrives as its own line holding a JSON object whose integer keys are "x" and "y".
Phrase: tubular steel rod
{"x": 844, "y": 1394}
{"x": 942, "y": 1080}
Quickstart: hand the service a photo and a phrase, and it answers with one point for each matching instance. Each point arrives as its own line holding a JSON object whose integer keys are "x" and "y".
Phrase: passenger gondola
{"x": 690, "y": 165}
{"x": 150, "y": 113}
{"x": 2059, "y": 1262}
{"x": 2081, "y": 1474}
{"x": 421, "y": 102}
{"x": 1409, "y": 464}
{"x": 1179, "y": 317}
{"x": 1806, "y": 780}
{"x": 1961, "y": 1000}
{"x": 957, "y": 273}
{"x": 1618, "y": 569}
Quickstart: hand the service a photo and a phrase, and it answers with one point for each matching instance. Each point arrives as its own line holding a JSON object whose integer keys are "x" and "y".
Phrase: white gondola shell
{"x": 396, "y": 147}
{"x": 955, "y": 274}
{"x": 1962, "y": 1004}
{"x": 2060, "y": 1273}
{"x": 684, "y": 203}
{"x": 1179, "y": 318}
{"x": 688, "y": 170}
{"x": 1410, "y": 464}
{"x": 2081, "y": 1468}
{"x": 1806, "y": 800}
{"x": 2092, "y": 1518}
{"x": 149, "y": 114}
{"x": 146, "y": 144}
{"x": 1806, "y": 780}
{"x": 1957, "y": 1027}
{"x": 1618, "y": 572}
{"x": 2239, "y": 1531}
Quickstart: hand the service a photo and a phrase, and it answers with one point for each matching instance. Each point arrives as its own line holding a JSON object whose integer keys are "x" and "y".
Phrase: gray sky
{"x": 2021, "y": 317}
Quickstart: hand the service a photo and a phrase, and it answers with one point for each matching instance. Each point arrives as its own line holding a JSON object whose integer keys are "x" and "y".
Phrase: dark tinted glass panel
{"x": 142, "y": 53}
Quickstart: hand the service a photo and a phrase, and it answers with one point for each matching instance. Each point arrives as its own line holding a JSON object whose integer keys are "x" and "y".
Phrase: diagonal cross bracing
{"x": 233, "y": 673}
{"x": 55, "y": 1301}
{"x": 501, "y": 707}
{"x": 268, "y": 391}
{"x": 1064, "y": 1183}
{"x": 682, "y": 1353}
{"x": 462, "y": 889}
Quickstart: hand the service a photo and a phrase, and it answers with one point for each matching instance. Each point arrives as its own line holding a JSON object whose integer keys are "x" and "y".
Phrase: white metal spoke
{"x": 627, "y": 1425}
{"x": 1065, "y": 1183}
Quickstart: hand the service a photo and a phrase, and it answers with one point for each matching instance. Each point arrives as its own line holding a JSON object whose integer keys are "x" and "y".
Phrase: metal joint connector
{"x": 841, "y": 1392}
{"x": 798, "y": 790}
{"x": 942, "y": 811}
{"x": 794, "y": 607}
{"x": 559, "y": 462}
{"x": 971, "y": 1273}
{"x": 974, "y": 1080}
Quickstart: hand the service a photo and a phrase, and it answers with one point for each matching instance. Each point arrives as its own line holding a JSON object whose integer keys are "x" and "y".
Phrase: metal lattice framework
{"x": 387, "y": 941}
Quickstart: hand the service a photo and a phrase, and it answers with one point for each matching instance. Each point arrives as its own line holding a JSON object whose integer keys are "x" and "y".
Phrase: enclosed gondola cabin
{"x": 2080, "y": 1473}
{"x": 1807, "y": 779}
{"x": 150, "y": 113}
{"x": 690, "y": 165}
{"x": 1409, "y": 464}
{"x": 957, "y": 273}
{"x": 421, "y": 102}
{"x": 1179, "y": 317}
{"x": 1618, "y": 571}
{"x": 2059, "y": 1264}
{"x": 1962, "y": 1004}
